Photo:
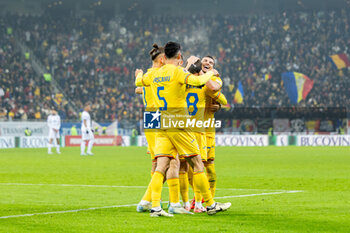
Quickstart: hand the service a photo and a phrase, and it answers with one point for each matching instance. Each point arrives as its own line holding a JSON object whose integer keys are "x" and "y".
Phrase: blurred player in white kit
{"x": 54, "y": 123}
{"x": 86, "y": 131}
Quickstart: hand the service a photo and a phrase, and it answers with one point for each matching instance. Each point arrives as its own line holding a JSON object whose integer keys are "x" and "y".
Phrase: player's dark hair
{"x": 196, "y": 67}
{"x": 211, "y": 58}
{"x": 171, "y": 49}
{"x": 156, "y": 50}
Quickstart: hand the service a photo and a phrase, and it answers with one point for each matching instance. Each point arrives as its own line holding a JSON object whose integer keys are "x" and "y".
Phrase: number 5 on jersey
{"x": 162, "y": 99}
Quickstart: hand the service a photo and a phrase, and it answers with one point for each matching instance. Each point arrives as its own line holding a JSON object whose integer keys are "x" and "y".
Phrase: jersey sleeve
{"x": 184, "y": 77}
{"x": 139, "y": 80}
{"x": 217, "y": 79}
{"x": 217, "y": 96}
{"x": 143, "y": 80}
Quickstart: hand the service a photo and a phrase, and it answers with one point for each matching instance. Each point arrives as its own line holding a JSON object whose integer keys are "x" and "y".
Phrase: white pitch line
{"x": 66, "y": 211}
{"x": 74, "y": 185}
{"x": 243, "y": 189}
{"x": 260, "y": 194}
{"x": 129, "y": 205}
{"x": 124, "y": 186}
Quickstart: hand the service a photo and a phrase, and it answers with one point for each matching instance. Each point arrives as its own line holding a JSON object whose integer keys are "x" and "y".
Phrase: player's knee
{"x": 174, "y": 167}
{"x": 162, "y": 164}
{"x": 197, "y": 163}
{"x": 198, "y": 166}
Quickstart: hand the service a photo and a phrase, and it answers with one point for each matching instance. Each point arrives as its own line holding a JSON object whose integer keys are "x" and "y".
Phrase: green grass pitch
{"x": 255, "y": 180}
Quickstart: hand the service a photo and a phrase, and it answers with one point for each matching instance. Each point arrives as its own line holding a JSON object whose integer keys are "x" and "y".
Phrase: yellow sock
{"x": 197, "y": 194}
{"x": 148, "y": 194}
{"x": 190, "y": 176}
{"x": 200, "y": 181}
{"x": 184, "y": 186}
{"x": 157, "y": 185}
{"x": 174, "y": 189}
{"x": 211, "y": 174}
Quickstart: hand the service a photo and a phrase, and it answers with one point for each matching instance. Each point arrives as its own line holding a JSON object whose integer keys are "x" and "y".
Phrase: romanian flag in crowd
{"x": 267, "y": 77}
{"x": 340, "y": 61}
{"x": 297, "y": 86}
{"x": 239, "y": 95}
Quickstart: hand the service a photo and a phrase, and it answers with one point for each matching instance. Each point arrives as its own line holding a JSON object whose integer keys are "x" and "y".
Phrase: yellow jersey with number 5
{"x": 167, "y": 86}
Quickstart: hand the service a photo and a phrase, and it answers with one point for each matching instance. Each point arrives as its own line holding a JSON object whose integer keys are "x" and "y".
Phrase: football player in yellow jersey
{"x": 157, "y": 61}
{"x": 196, "y": 98}
{"x": 208, "y": 64}
{"x": 169, "y": 84}
{"x": 157, "y": 55}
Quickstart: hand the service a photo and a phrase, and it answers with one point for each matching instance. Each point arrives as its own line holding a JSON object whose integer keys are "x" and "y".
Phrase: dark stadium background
{"x": 91, "y": 49}
{"x": 283, "y": 165}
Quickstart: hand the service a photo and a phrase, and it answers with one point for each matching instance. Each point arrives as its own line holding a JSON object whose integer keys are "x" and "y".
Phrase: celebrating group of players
{"x": 181, "y": 155}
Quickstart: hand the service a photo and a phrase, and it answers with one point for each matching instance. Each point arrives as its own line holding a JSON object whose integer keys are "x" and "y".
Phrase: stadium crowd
{"x": 94, "y": 59}
{"x": 23, "y": 95}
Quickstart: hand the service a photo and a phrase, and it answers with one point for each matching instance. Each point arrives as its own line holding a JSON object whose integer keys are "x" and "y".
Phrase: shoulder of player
{"x": 180, "y": 69}
{"x": 169, "y": 67}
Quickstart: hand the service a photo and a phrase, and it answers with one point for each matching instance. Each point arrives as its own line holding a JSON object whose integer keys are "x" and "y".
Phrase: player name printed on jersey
{"x": 161, "y": 79}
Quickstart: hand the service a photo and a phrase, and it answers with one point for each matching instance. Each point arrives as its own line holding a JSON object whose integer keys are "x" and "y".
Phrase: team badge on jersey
{"x": 151, "y": 120}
